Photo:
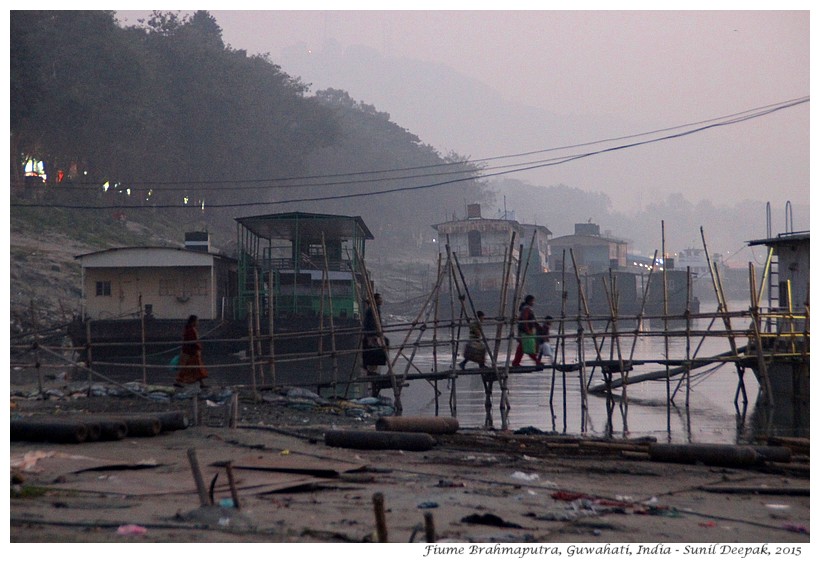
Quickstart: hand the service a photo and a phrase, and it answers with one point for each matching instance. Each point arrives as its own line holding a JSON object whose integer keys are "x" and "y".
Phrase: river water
{"x": 552, "y": 402}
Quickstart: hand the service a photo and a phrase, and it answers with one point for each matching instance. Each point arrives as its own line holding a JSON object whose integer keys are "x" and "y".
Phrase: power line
{"x": 469, "y": 162}
{"x": 731, "y": 119}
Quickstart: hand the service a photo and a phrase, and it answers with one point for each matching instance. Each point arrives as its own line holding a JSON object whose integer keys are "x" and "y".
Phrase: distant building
{"x": 482, "y": 245}
{"x": 788, "y": 289}
{"x": 172, "y": 283}
{"x": 593, "y": 252}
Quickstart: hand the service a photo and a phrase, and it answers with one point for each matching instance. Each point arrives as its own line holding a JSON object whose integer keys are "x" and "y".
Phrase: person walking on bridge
{"x": 526, "y": 332}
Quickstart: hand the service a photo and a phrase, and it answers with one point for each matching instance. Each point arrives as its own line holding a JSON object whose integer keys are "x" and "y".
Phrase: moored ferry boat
{"x": 297, "y": 276}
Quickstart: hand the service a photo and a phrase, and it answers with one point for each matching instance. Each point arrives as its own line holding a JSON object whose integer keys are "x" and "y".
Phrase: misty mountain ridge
{"x": 413, "y": 92}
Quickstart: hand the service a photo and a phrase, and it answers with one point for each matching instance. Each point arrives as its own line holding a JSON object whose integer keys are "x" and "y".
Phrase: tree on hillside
{"x": 163, "y": 111}
{"x": 378, "y": 155}
{"x": 76, "y": 96}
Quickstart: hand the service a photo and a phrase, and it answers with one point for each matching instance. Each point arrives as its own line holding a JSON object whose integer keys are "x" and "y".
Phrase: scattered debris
{"x": 488, "y": 519}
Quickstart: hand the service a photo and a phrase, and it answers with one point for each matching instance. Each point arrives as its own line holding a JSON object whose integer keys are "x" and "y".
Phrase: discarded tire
{"x": 378, "y": 440}
{"x": 428, "y": 424}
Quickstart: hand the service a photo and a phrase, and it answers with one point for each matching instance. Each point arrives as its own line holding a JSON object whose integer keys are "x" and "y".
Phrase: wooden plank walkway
{"x": 613, "y": 366}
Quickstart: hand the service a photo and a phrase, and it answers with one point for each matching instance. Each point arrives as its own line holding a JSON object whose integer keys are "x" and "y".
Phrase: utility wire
{"x": 474, "y": 162}
{"x": 481, "y": 174}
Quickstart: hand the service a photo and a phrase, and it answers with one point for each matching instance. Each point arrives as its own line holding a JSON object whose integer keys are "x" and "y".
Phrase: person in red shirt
{"x": 191, "y": 368}
{"x": 526, "y": 331}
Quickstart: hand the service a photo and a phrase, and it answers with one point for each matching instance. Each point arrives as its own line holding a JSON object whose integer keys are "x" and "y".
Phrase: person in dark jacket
{"x": 374, "y": 343}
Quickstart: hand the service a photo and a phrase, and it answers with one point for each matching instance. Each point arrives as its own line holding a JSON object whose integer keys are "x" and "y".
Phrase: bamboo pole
{"x": 142, "y": 338}
{"x": 563, "y": 343}
{"x": 204, "y": 500}
{"x": 666, "y": 331}
{"x": 271, "y": 328}
{"x": 380, "y": 333}
{"x": 613, "y": 298}
{"x": 37, "y": 364}
{"x": 257, "y": 327}
{"x": 87, "y": 357}
{"x": 381, "y": 521}
{"x": 487, "y": 380}
{"x": 688, "y": 373}
{"x": 761, "y": 362}
{"x": 437, "y": 289}
{"x": 326, "y": 273}
{"x": 453, "y": 344}
{"x": 252, "y": 348}
{"x": 232, "y": 485}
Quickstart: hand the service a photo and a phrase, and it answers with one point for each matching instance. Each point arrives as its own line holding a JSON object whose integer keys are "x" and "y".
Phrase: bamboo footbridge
{"x": 587, "y": 347}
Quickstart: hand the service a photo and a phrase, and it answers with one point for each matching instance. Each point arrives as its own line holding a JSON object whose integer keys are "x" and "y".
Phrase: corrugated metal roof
{"x": 306, "y": 225}
{"x": 783, "y": 238}
{"x": 147, "y": 256}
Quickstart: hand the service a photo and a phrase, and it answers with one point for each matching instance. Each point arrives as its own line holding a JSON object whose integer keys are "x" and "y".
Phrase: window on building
{"x": 103, "y": 288}
{"x": 197, "y": 286}
{"x": 167, "y": 287}
{"x": 474, "y": 242}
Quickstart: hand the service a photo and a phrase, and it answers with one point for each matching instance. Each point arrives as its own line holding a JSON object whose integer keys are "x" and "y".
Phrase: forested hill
{"x": 163, "y": 120}
{"x": 149, "y": 131}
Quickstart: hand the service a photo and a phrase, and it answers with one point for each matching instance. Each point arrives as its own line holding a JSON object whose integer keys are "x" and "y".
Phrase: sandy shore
{"x": 474, "y": 486}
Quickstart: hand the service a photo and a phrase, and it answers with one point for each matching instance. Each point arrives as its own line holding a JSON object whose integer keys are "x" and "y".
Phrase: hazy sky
{"x": 617, "y": 72}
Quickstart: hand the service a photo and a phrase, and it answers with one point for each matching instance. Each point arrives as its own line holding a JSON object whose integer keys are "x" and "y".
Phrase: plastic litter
{"x": 131, "y": 530}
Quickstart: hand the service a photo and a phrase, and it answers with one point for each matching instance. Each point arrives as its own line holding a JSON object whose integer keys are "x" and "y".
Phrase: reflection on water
{"x": 552, "y": 401}
{"x": 549, "y": 402}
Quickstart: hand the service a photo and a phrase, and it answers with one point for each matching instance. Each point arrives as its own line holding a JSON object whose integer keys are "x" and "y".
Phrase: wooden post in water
{"x": 486, "y": 379}
{"x": 437, "y": 289}
{"x": 500, "y": 325}
{"x": 615, "y": 346}
{"x": 453, "y": 343}
{"x": 561, "y": 343}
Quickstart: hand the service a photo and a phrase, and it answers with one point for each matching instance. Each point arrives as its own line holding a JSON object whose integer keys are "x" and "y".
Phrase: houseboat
{"x": 297, "y": 276}
{"x": 482, "y": 247}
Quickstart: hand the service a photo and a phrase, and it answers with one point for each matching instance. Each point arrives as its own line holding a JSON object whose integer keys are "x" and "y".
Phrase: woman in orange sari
{"x": 191, "y": 369}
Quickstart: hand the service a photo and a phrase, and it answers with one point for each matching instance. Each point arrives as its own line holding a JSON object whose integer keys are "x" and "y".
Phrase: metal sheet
{"x": 293, "y": 463}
